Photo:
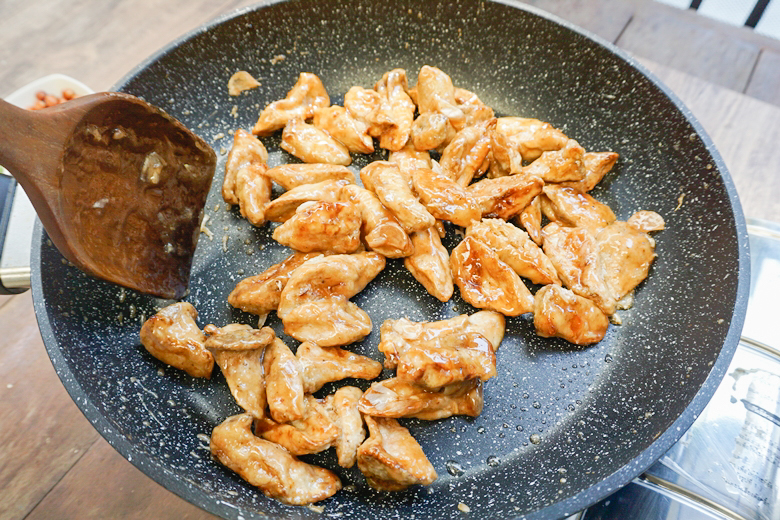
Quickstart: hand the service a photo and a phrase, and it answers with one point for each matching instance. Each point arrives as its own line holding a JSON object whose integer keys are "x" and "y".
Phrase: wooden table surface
{"x": 53, "y": 464}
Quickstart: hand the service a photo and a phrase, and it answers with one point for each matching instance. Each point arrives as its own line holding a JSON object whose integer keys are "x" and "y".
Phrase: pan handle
{"x": 15, "y": 225}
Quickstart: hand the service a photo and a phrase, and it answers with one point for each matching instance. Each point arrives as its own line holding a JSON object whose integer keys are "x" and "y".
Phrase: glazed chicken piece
{"x": 486, "y": 282}
{"x": 444, "y": 198}
{"x": 395, "y": 112}
{"x": 646, "y": 221}
{"x": 531, "y": 220}
{"x": 312, "y": 144}
{"x": 390, "y": 459}
{"x": 315, "y": 302}
{"x": 597, "y": 165}
{"x": 306, "y": 96}
{"x": 241, "y": 81}
{"x": 436, "y": 94}
{"x": 237, "y": 336}
{"x": 624, "y": 257}
{"x": 261, "y": 294}
{"x": 430, "y": 131}
{"x": 474, "y": 110}
{"x": 324, "y": 365}
{"x": 505, "y": 197}
{"x": 409, "y": 159}
{"x": 516, "y": 139}
{"x": 561, "y": 165}
{"x": 269, "y": 467}
{"x": 283, "y": 207}
{"x": 344, "y": 128}
{"x": 322, "y": 226}
{"x": 173, "y": 337}
{"x": 396, "y": 398}
{"x": 381, "y": 231}
{"x": 341, "y": 407}
{"x": 430, "y": 264}
{"x": 558, "y": 312}
{"x": 572, "y": 208}
{"x": 466, "y": 156}
{"x": 515, "y": 248}
{"x": 363, "y": 105}
{"x": 290, "y": 176}
{"x": 397, "y": 336}
{"x": 312, "y": 433}
{"x": 385, "y": 179}
{"x": 283, "y": 383}
{"x": 245, "y": 183}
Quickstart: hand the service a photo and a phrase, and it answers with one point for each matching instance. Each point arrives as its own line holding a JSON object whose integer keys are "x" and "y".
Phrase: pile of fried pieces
{"x": 586, "y": 262}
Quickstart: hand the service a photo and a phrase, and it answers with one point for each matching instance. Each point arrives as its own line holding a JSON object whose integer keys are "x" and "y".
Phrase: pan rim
{"x": 568, "y": 506}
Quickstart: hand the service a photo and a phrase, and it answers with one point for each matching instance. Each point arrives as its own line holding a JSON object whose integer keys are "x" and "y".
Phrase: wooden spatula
{"x": 118, "y": 185}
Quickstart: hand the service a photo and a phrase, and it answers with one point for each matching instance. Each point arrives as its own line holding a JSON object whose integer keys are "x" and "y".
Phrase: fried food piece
{"x": 241, "y": 81}
{"x": 516, "y": 139}
{"x": 341, "y": 406}
{"x": 566, "y": 164}
{"x": 396, "y": 398}
{"x": 558, "y": 312}
{"x": 444, "y": 198}
{"x": 238, "y": 337}
{"x": 531, "y": 220}
{"x": 271, "y": 468}
{"x": 572, "y": 208}
{"x": 466, "y": 156}
{"x": 363, "y": 104}
{"x": 646, "y": 221}
{"x": 322, "y": 226}
{"x": 474, "y": 110}
{"x": 385, "y": 179}
{"x": 344, "y": 128}
{"x": 283, "y": 207}
{"x": 301, "y": 101}
{"x": 505, "y": 197}
{"x": 261, "y": 294}
{"x": 395, "y": 112}
{"x": 486, "y": 282}
{"x": 324, "y": 365}
{"x": 290, "y": 176}
{"x": 283, "y": 383}
{"x": 390, "y": 459}
{"x": 312, "y": 433}
{"x": 312, "y": 144}
{"x": 173, "y": 337}
{"x": 430, "y": 131}
{"x": 597, "y": 165}
{"x": 381, "y": 231}
{"x": 314, "y": 304}
{"x": 430, "y": 264}
{"x": 462, "y": 357}
{"x": 245, "y": 183}
{"x": 514, "y": 247}
{"x": 436, "y": 94}
{"x": 624, "y": 257}
{"x": 409, "y": 159}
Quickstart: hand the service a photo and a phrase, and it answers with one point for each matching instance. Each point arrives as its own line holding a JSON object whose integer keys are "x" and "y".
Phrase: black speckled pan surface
{"x": 598, "y": 415}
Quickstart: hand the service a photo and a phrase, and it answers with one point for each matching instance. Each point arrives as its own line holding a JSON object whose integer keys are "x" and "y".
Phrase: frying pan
{"x": 562, "y": 426}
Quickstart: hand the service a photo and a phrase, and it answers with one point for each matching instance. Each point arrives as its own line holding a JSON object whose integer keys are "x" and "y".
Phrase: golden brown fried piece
{"x": 646, "y": 221}
{"x": 572, "y": 208}
{"x": 486, "y": 282}
{"x": 271, "y": 468}
{"x": 363, "y": 104}
{"x": 474, "y": 110}
{"x": 283, "y": 207}
{"x": 240, "y": 81}
{"x": 515, "y": 248}
{"x": 260, "y": 294}
{"x": 312, "y": 144}
{"x": 561, "y": 165}
{"x": 395, "y": 398}
{"x": 245, "y": 182}
{"x": 290, "y": 176}
{"x": 558, "y": 312}
{"x": 391, "y": 459}
{"x": 312, "y": 433}
{"x": 505, "y": 197}
{"x": 436, "y": 94}
{"x": 409, "y": 159}
{"x": 328, "y": 323}
{"x": 173, "y": 337}
{"x": 516, "y": 139}
{"x": 344, "y": 128}
{"x": 381, "y": 231}
{"x": 531, "y": 220}
{"x": 466, "y": 156}
{"x": 385, "y": 179}
{"x": 597, "y": 165}
{"x": 444, "y": 198}
{"x": 430, "y": 131}
{"x": 624, "y": 257}
{"x": 395, "y": 112}
{"x": 302, "y": 100}
{"x": 324, "y": 365}
{"x": 343, "y": 412}
{"x": 238, "y": 337}
{"x": 397, "y": 336}
{"x": 430, "y": 264}
{"x": 283, "y": 383}
{"x": 322, "y": 226}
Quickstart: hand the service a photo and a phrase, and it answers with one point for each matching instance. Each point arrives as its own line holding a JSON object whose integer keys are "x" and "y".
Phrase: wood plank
{"x": 43, "y": 432}
{"x": 117, "y": 490}
{"x": 606, "y": 18}
{"x": 765, "y": 81}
